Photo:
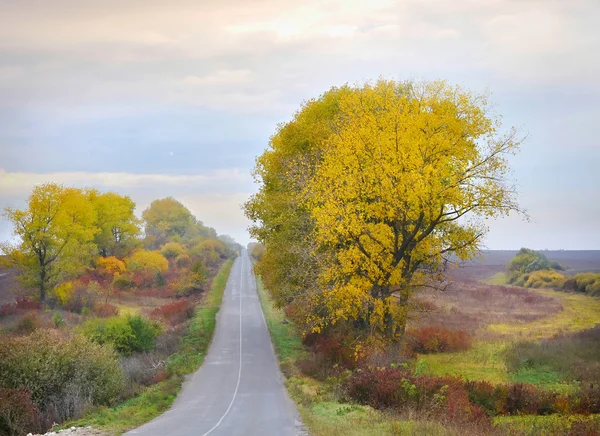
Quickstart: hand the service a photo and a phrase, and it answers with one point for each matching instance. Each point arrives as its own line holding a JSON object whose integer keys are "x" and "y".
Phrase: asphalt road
{"x": 239, "y": 389}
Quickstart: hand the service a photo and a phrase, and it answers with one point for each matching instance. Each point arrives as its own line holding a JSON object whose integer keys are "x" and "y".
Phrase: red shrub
{"x": 457, "y": 408}
{"x": 144, "y": 278}
{"x": 18, "y": 414}
{"x": 444, "y": 397}
{"x": 376, "y": 387}
{"x": 175, "y": 312}
{"x": 105, "y": 310}
{"x": 27, "y": 304}
{"x": 437, "y": 339}
{"x": 522, "y": 398}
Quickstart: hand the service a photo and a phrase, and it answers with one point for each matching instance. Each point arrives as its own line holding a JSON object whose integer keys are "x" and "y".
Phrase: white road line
{"x": 237, "y": 386}
{"x": 3, "y": 274}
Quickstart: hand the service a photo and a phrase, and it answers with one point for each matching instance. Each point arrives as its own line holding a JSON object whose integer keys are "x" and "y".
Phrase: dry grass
{"x": 473, "y": 307}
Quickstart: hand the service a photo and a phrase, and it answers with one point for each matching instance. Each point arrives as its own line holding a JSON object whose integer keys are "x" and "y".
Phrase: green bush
{"x": 62, "y": 374}
{"x": 57, "y": 320}
{"x": 126, "y": 334}
{"x": 526, "y": 262}
{"x": 123, "y": 281}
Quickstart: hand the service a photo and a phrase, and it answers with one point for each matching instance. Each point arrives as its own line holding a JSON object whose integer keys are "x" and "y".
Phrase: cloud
{"x": 100, "y": 93}
{"x": 20, "y": 184}
{"x": 222, "y": 77}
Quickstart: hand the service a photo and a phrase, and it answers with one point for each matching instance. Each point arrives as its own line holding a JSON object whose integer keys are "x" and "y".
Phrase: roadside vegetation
{"x": 370, "y": 198}
{"x": 109, "y": 312}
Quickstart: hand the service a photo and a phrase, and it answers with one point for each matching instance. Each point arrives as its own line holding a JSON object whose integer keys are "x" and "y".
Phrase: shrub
{"x": 28, "y": 323}
{"x": 141, "y": 368}
{"x": 57, "y": 320}
{"x": 159, "y": 279}
{"x": 172, "y": 250}
{"x": 437, "y": 340}
{"x": 145, "y": 278}
{"x": 18, "y": 414}
{"x": 527, "y": 261}
{"x": 175, "y": 312}
{"x": 588, "y": 283}
{"x": 109, "y": 266}
{"x": 127, "y": 334}
{"x": 122, "y": 282}
{"x": 27, "y": 304}
{"x": 64, "y": 292}
{"x": 147, "y": 260}
{"x": 84, "y": 294}
{"x": 62, "y": 374}
{"x": 545, "y": 279}
{"x": 183, "y": 261}
{"x": 388, "y": 387}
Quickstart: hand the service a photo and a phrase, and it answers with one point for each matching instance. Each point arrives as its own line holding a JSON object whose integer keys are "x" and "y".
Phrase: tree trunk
{"x": 43, "y": 285}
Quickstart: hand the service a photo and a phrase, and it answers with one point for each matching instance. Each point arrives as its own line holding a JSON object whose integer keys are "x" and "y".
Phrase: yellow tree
{"x": 167, "y": 219}
{"x": 368, "y": 190}
{"x": 55, "y": 233}
{"x": 117, "y": 223}
{"x": 408, "y": 179}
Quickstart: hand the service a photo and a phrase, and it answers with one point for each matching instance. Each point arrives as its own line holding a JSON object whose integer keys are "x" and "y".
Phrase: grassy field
{"x": 157, "y": 398}
{"x": 485, "y": 361}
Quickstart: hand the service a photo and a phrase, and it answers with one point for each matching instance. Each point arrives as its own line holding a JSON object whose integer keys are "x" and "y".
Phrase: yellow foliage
{"x": 407, "y": 161}
{"x": 64, "y": 292}
{"x": 370, "y": 189}
{"x": 143, "y": 259}
{"x": 56, "y": 234}
{"x": 110, "y": 265}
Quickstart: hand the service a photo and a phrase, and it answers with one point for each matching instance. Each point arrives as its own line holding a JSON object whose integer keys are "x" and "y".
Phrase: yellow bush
{"x": 110, "y": 265}
{"x": 64, "y": 292}
{"x": 144, "y": 260}
{"x": 545, "y": 279}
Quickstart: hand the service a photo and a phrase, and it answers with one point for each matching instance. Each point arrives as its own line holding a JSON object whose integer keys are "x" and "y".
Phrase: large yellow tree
{"x": 55, "y": 236}
{"x": 404, "y": 178}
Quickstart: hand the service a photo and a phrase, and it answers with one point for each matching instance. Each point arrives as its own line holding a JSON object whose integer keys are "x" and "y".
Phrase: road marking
{"x": 3, "y": 274}
{"x": 237, "y": 386}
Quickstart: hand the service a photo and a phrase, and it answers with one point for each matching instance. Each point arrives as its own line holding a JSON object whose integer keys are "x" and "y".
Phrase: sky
{"x": 151, "y": 98}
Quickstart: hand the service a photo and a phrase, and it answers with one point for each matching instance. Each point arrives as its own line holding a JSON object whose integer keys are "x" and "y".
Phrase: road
{"x": 239, "y": 389}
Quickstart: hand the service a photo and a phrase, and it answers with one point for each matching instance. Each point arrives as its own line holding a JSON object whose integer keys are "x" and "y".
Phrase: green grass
{"x": 500, "y": 278}
{"x": 158, "y": 398}
{"x": 285, "y": 337}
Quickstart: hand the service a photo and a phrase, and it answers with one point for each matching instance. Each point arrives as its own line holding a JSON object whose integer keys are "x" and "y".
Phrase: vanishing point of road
{"x": 239, "y": 389}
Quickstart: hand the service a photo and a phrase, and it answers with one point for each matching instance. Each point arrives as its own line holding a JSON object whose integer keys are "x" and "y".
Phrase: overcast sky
{"x": 154, "y": 98}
